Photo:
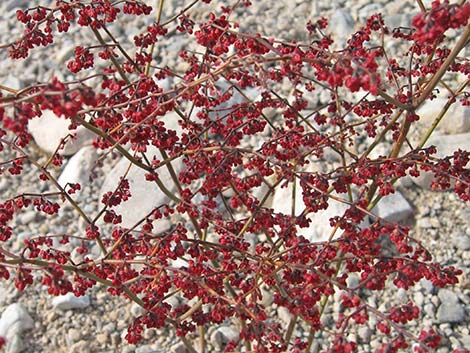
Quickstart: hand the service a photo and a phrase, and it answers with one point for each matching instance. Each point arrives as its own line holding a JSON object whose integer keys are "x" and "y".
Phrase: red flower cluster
{"x": 229, "y": 245}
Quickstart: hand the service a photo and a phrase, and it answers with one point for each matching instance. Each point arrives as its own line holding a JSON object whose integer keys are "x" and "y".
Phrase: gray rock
{"x": 364, "y": 334}
{"x": 447, "y": 296}
{"x": 446, "y": 145}
{"x": 137, "y": 310}
{"x": 78, "y": 168}
{"x": 462, "y": 242}
{"x": 450, "y": 309}
{"x": 453, "y": 313}
{"x": 49, "y": 130}
{"x": 284, "y": 315}
{"x": 12, "y": 81}
{"x": 145, "y": 195}
{"x": 178, "y": 348}
{"x": 319, "y": 228}
{"x": 342, "y": 26}
{"x": 393, "y": 208}
{"x": 70, "y": 301}
{"x": 455, "y": 121}
{"x": 13, "y": 322}
{"x": 419, "y": 299}
{"x": 223, "y": 335}
{"x": 15, "y": 319}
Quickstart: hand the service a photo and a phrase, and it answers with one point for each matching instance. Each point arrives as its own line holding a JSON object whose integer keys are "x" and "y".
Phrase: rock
{"x": 284, "y": 315}
{"x": 13, "y": 322}
{"x": 145, "y": 195}
{"x": 446, "y": 145}
{"x": 223, "y": 335}
{"x": 393, "y": 208}
{"x": 447, "y": 296}
{"x": 74, "y": 335}
{"x": 102, "y": 338}
{"x": 319, "y": 228}
{"x": 450, "y": 309}
{"x": 462, "y": 242}
{"x": 342, "y": 26}
{"x": 455, "y": 121}
{"x": 80, "y": 347}
{"x": 419, "y": 299}
{"x": 49, "y": 130}
{"x": 364, "y": 334}
{"x": 137, "y": 310}
{"x": 78, "y": 168}
{"x": 178, "y": 348}
{"x": 12, "y": 81}
{"x": 70, "y": 301}
{"x": 453, "y": 313}
{"x": 147, "y": 349}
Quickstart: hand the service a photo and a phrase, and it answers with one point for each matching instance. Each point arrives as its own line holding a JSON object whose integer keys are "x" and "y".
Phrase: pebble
{"x": 446, "y": 145}
{"x": 393, "y": 208}
{"x": 223, "y": 335}
{"x": 455, "y": 121}
{"x": 13, "y": 322}
{"x": 341, "y": 29}
{"x": 70, "y": 301}
{"x": 49, "y": 130}
{"x": 78, "y": 168}
{"x": 145, "y": 195}
{"x": 450, "y": 309}
{"x": 341, "y": 25}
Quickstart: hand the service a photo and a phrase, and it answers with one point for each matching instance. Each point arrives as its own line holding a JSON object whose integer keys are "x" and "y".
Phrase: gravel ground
{"x": 438, "y": 219}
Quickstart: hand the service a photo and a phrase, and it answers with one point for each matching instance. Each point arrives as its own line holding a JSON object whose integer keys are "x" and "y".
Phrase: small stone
{"x": 461, "y": 242}
{"x": 145, "y": 349}
{"x": 450, "y": 310}
{"x": 102, "y": 338}
{"x": 284, "y": 315}
{"x": 342, "y": 25}
{"x": 70, "y": 301}
{"x": 419, "y": 299}
{"x": 14, "y": 320}
{"x": 80, "y": 347}
{"x": 455, "y": 121}
{"x": 447, "y": 296}
{"x": 78, "y": 168}
{"x": 393, "y": 208}
{"x": 49, "y": 130}
{"x": 109, "y": 327}
{"x": 178, "y": 348}
{"x": 446, "y": 145}
{"x": 450, "y": 313}
{"x": 145, "y": 195}
{"x": 424, "y": 223}
{"x": 74, "y": 335}
{"x": 222, "y": 335}
{"x": 137, "y": 310}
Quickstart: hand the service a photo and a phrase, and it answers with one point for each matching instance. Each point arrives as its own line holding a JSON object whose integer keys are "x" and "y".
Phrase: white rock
{"x": 12, "y": 81}
{"x": 455, "y": 121}
{"x": 319, "y": 229}
{"x": 284, "y": 315}
{"x": 49, "y": 130}
{"x": 342, "y": 25}
{"x": 15, "y": 319}
{"x": 70, "y": 301}
{"x": 446, "y": 145}
{"x": 393, "y": 208}
{"x": 145, "y": 195}
{"x": 78, "y": 168}
{"x": 223, "y": 335}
